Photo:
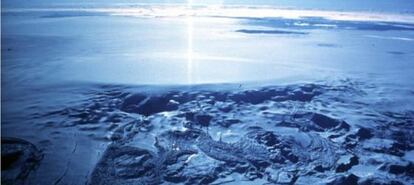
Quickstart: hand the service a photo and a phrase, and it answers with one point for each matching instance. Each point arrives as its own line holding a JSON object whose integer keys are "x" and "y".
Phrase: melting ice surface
{"x": 198, "y": 94}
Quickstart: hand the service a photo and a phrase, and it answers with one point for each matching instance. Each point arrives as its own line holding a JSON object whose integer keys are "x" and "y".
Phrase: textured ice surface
{"x": 309, "y": 100}
{"x": 293, "y": 134}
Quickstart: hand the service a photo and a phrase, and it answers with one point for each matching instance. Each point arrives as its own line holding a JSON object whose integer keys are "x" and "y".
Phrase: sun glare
{"x": 189, "y": 42}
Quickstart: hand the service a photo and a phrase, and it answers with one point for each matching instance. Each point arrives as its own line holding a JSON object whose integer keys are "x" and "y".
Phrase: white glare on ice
{"x": 189, "y": 44}
{"x": 231, "y": 11}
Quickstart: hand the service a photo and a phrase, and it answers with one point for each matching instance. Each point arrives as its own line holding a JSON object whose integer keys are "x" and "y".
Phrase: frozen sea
{"x": 152, "y": 93}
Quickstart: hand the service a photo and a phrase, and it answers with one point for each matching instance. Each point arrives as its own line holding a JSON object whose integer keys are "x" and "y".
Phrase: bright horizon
{"x": 400, "y": 6}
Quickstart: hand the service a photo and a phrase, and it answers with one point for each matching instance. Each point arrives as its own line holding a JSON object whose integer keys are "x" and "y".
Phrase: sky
{"x": 404, "y": 6}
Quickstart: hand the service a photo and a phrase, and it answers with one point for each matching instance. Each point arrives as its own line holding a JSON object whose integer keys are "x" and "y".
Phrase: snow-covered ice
{"x": 164, "y": 94}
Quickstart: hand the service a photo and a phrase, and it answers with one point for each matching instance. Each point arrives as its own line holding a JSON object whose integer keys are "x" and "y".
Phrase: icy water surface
{"x": 167, "y": 95}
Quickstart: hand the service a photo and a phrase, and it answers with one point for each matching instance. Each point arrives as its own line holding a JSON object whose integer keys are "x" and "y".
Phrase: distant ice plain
{"x": 150, "y": 44}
